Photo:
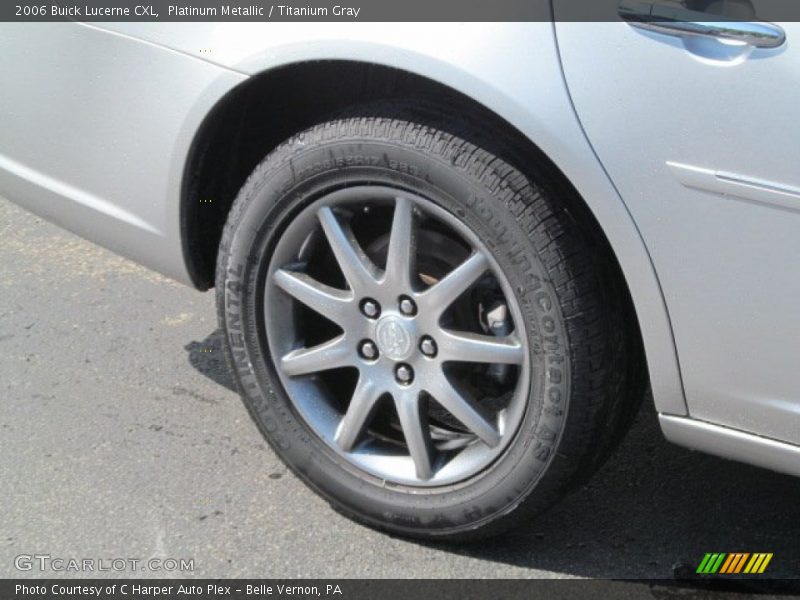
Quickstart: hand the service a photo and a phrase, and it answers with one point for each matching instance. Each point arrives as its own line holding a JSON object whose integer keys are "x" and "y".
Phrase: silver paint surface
{"x": 98, "y": 122}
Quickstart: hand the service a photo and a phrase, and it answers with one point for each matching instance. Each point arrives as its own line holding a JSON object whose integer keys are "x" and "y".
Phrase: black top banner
{"x": 252, "y": 10}
{"x": 394, "y": 10}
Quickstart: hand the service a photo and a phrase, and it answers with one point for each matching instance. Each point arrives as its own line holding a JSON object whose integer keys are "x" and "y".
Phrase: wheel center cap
{"x": 395, "y": 338}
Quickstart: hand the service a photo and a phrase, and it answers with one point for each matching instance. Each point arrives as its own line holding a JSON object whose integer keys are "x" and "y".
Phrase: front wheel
{"x": 419, "y": 330}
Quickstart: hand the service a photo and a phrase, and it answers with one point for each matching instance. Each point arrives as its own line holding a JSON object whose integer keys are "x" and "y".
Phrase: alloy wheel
{"x": 396, "y": 336}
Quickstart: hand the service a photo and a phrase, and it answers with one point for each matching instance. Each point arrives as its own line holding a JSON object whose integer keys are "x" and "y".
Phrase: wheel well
{"x": 269, "y": 108}
{"x": 256, "y": 117}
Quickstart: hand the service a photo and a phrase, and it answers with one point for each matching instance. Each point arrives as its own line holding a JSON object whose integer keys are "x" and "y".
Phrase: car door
{"x": 700, "y": 132}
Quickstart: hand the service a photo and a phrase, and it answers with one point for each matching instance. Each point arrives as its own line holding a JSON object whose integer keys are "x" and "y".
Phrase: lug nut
{"x": 404, "y": 374}
{"x": 368, "y": 350}
{"x": 428, "y": 346}
{"x": 370, "y": 308}
{"x": 407, "y": 306}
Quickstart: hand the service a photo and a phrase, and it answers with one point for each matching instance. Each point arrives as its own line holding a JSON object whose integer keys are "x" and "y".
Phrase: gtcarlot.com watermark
{"x": 59, "y": 564}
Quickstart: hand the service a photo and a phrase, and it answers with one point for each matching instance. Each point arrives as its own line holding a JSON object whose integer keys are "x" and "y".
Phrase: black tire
{"x": 585, "y": 363}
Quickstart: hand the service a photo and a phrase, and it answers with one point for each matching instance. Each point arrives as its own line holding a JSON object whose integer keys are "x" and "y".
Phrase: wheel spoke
{"x": 402, "y": 245}
{"x": 327, "y": 301}
{"x": 365, "y": 396}
{"x": 414, "y": 421}
{"x": 359, "y": 271}
{"x": 476, "y": 348}
{"x": 471, "y": 415}
{"x": 332, "y": 354}
{"x": 439, "y": 297}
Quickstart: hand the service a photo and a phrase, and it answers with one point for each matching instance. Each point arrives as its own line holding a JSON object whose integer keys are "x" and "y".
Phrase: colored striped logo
{"x": 734, "y": 563}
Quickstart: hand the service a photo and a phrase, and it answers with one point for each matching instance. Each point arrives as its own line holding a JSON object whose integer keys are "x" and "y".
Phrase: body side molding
{"x": 737, "y": 186}
{"x": 731, "y": 443}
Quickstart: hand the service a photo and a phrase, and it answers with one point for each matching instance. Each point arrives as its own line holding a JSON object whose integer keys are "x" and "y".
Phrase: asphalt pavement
{"x": 121, "y": 437}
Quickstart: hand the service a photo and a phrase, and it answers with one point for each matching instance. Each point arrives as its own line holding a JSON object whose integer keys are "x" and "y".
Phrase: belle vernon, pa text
{"x": 279, "y": 10}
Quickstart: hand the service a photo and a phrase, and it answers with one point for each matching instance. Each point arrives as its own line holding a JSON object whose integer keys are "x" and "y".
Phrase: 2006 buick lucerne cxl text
{"x": 449, "y": 259}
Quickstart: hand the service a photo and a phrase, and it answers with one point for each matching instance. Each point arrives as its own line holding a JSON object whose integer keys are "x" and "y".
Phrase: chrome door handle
{"x": 687, "y": 23}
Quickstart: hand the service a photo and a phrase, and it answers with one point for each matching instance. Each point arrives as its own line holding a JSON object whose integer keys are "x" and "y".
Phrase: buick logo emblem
{"x": 394, "y": 339}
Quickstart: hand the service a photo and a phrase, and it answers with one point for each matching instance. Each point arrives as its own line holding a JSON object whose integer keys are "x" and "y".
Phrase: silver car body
{"x": 686, "y": 153}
